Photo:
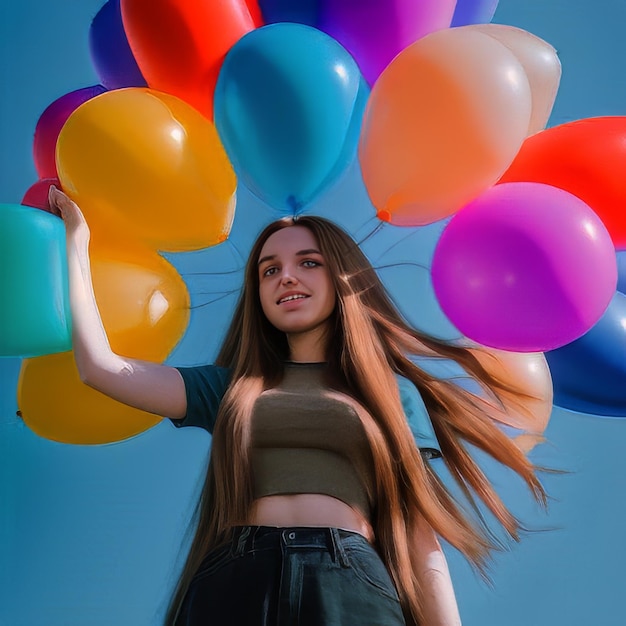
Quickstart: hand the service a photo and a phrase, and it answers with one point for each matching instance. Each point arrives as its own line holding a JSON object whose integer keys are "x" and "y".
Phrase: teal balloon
{"x": 288, "y": 107}
{"x": 34, "y": 297}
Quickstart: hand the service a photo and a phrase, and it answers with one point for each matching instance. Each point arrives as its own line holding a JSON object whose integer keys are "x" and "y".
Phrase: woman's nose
{"x": 288, "y": 276}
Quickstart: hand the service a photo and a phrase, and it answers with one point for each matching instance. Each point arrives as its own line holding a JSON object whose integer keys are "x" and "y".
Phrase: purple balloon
{"x": 110, "y": 52}
{"x": 473, "y": 12}
{"x": 375, "y": 31}
{"x": 525, "y": 267}
{"x": 301, "y": 12}
{"x": 49, "y": 126}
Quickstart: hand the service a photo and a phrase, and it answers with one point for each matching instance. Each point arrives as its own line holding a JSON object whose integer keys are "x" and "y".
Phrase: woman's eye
{"x": 310, "y": 263}
{"x": 269, "y": 271}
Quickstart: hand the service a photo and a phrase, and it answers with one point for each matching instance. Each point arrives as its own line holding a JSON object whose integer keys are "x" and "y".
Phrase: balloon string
{"x": 402, "y": 263}
{"x": 222, "y": 296}
{"x": 399, "y": 241}
{"x": 396, "y": 243}
{"x": 220, "y": 273}
{"x": 377, "y": 228}
{"x": 237, "y": 254}
{"x": 223, "y": 272}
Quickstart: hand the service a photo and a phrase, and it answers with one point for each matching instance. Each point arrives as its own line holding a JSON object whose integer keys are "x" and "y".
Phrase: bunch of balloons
{"x": 446, "y": 113}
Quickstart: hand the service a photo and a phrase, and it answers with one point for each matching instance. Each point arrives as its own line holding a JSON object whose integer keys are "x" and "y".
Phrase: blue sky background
{"x": 94, "y": 535}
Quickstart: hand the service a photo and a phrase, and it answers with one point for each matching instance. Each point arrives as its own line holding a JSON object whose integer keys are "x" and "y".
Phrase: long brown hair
{"x": 369, "y": 344}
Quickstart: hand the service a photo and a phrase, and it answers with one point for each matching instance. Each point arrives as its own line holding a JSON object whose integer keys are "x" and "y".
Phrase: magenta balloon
{"x": 525, "y": 267}
{"x": 37, "y": 194}
{"x": 50, "y": 124}
{"x": 374, "y": 31}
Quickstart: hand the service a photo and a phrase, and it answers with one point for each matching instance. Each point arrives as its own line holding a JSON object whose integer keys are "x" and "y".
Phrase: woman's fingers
{"x": 58, "y": 200}
{"x": 63, "y": 206}
{"x": 52, "y": 200}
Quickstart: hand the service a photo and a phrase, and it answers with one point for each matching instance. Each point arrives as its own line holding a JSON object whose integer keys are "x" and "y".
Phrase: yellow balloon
{"x": 56, "y": 405}
{"x": 540, "y": 62}
{"x": 443, "y": 122}
{"x": 143, "y": 301}
{"x": 528, "y": 373}
{"x": 142, "y": 162}
{"x": 144, "y": 305}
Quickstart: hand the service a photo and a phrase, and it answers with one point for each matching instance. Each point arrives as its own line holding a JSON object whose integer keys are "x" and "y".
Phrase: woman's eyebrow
{"x": 271, "y": 257}
{"x": 308, "y": 251}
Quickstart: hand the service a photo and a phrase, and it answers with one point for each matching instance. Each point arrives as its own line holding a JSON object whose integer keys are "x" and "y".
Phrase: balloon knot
{"x": 294, "y": 204}
{"x": 383, "y": 215}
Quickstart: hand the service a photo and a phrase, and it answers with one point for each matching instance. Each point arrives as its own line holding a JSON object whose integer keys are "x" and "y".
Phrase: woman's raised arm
{"x": 148, "y": 386}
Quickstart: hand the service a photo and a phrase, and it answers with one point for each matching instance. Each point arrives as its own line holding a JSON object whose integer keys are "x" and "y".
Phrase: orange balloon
{"x": 55, "y": 404}
{"x": 143, "y": 301}
{"x": 149, "y": 165}
{"x": 180, "y": 45}
{"x": 540, "y": 62}
{"x": 529, "y": 374}
{"x": 444, "y": 121}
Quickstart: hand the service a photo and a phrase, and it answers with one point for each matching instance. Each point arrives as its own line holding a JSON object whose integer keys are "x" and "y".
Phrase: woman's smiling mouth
{"x": 291, "y": 297}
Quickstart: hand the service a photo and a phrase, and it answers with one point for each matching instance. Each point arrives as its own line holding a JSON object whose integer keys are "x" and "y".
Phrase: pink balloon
{"x": 525, "y": 267}
{"x": 374, "y": 31}
{"x": 49, "y": 126}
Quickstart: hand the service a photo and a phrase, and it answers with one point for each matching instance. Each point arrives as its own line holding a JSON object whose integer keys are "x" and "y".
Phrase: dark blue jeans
{"x": 292, "y": 577}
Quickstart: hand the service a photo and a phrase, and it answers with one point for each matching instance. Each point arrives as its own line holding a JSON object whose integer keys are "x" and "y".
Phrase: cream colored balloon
{"x": 528, "y": 407}
{"x": 540, "y": 62}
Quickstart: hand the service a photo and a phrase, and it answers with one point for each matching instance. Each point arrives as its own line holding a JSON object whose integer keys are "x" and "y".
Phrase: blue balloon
{"x": 289, "y": 102}
{"x": 110, "y": 52}
{"x": 302, "y": 11}
{"x": 589, "y": 374}
{"x": 621, "y": 271}
{"x": 473, "y": 12}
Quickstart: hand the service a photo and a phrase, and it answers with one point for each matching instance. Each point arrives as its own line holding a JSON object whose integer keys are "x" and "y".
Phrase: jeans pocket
{"x": 370, "y": 569}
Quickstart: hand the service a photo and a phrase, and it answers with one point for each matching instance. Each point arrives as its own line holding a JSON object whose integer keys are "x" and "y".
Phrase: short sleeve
{"x": 205, "y": 387}
{"x": 418, "y": 418}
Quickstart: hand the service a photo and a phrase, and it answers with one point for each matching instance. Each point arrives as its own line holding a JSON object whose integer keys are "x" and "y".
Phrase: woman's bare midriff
{"x": 309, "y": 509}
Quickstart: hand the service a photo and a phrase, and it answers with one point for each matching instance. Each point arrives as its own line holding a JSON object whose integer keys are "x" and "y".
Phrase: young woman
{"x": 318, "y": 506}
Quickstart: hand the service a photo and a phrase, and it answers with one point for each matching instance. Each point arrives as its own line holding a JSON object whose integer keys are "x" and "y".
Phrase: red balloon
{"x": 587, "y": 158}
{"x": 180, "y": 45}
{"x": 37, "y": 194}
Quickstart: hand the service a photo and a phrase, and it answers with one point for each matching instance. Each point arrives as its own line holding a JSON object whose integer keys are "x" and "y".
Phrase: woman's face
{"x": 295, "y": 288}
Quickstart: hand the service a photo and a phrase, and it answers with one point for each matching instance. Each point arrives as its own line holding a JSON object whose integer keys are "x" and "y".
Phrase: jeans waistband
{"x": 248, "y": 538}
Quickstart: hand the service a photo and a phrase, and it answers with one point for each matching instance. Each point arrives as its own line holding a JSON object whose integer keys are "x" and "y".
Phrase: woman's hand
{"x": 63, "y": 206}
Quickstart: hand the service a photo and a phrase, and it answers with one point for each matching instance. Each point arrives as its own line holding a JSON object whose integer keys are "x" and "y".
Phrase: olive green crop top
{"x": 305, "y": 438}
